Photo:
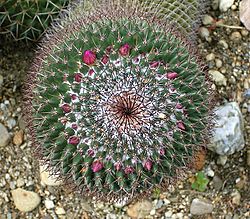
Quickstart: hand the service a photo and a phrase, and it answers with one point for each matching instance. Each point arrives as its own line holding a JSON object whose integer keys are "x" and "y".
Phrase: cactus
{"x": 28, "y": 19}
{"x": 117, "y": 102}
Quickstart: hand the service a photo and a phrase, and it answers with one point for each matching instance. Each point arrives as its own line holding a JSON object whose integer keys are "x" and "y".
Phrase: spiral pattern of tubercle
{"x": 28, "y": 19}
{"x": 117, "y": 103}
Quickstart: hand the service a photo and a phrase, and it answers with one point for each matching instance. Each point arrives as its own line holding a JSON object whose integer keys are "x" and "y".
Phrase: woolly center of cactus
{"x": 126, "y": 112}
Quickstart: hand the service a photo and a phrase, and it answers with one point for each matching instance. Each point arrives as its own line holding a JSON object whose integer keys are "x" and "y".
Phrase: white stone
{"x": 245, "y": 13}
{"x": 228, "y": 134}
{"x": 224, "y": 5}
{"x": 168, "y": 214}
{"x": 236, "y": 198}
{"x": 60, "y": 211}
{"x": 25, "y": 201}
{"x": 207, "y": 20}
{"x": 4, "y": 136}
{"x": 47, "y": 180}
{"x": 49, "y": 204}
{"x": 218, "y": 78}
{"x": 204, "y": 33}
{"x": 218, "y": 63}
{"x": 222, "y": 160}
{"x": 200, "y": 207}
{"x": 210, "y": 57}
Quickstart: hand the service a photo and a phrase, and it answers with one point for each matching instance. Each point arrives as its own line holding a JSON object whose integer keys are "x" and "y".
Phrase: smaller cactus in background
{"x": 28, "y": 19}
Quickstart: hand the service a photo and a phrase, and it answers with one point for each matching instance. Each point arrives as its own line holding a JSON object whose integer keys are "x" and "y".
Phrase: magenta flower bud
{"x": 89, "y": 57}
{"x": 118, "y": 166}
{"x": 154, "y": 64}
{"x": 148, "y": 165}
{"x": 108, "y": 49}
{"x": 66, "y": 108}
{"x": 178, "y": 106}
{"x": 162, "y": 151}
{"x": 96, "y": 166}
{"x": 180, "y": 125}
{"x": 73, "y": 96}
{"x": 172, "y": 75}
{"x": 74, "y": 140}
{"x": 91, "y": 72}
{"x": 105, "y": 59}
{"x": 91, "y": 152}
{"x": 129, "y": 170}
{"x": 124, "y": 50}
{"x": 74, "y": 126}
{"x": 78, "y": 77}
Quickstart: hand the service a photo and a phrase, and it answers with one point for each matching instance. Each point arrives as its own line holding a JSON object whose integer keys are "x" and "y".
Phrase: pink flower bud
{"x": 91, "y": 72}
{"x": 74, "y": 126}
{"x": 178, "y": 106}
{"x": 78, "y": 77}
{"x": 118, "y": 166}
{"x": 74, "y": 140}
{"x": 154, "y": 64}
{"x": 172, "y": 75}
{"x": 129, "y": 170}
{"x": 96, "y": 166}
{"x": 124, "y": 50}
{"x": 73, "y": 96}
{"x": 108, "y": 49}
{"x": 162, "y": 151}
{"x": 89, "y": 57}
{"x": 105, "y": 59}
{"x": 91, "y": 152}
{"x": 66, "y": 108}
{"x": 180, "y": 125}
{"x": 148, "y": 165}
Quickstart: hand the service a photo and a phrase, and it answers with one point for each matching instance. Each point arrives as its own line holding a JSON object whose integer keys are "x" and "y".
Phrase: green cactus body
{"x": 117, "y": 103}
{"x": 28, "y": 19}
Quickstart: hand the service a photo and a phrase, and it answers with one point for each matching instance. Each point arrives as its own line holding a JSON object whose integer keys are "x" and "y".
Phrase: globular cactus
{"x": 117, "y": 102}
{"x": 28, "y": 19}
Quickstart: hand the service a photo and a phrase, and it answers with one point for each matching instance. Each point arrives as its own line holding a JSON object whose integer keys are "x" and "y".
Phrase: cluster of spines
{"x": 78, "y": 163}
{"x": 28, "y": 19}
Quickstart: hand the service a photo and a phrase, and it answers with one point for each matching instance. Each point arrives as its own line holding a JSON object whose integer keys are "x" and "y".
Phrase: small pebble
{"x": 210, "y": 57}
{"x": 218, "y": 78}
{"x": 4, "y": 136}
{"x": 224, "y": 5}
{"x": 236, "y": 197}
{"x": 244, "y": 32}
{"x": 60, "y": 211}
{"x": 235, "y": 36}
{"x": 248, "y": 157}
{"x": 49, "y": 204}
{"x": 168, "y": 214}
{"x": 222, "y": 160}
{"x": 18, "y": 138}
{"x": 204, "y": 33}
{"x": 207, "y": 20}
{"x": 223, "y": 43}
{"x": 25, "y": 200}
{"x": 140, "y": 209}
{"x": 247, "y": 93}
{"x": 200, "y": 207}
{"x": 218, "y": 63}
